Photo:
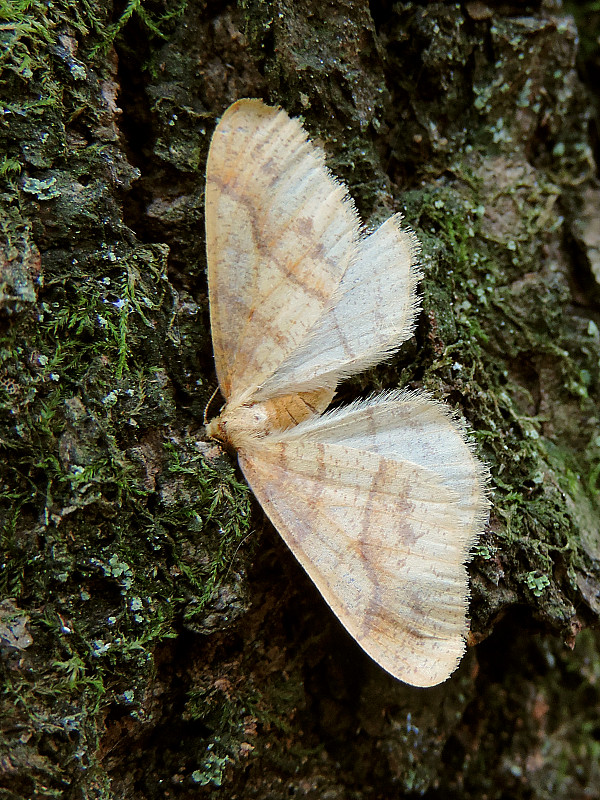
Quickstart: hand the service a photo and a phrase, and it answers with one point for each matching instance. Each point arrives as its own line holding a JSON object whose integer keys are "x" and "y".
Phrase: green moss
{"x": 82, "y": 422}
{"x": 115, "y": 530}
{"x": 155, "y": 23}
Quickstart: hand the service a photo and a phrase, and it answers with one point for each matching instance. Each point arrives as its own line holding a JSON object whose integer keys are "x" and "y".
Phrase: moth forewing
{"x": 280, "y": 232}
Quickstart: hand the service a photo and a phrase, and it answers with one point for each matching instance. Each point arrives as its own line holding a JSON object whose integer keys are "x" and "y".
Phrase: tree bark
{"x": 157, "y": 640}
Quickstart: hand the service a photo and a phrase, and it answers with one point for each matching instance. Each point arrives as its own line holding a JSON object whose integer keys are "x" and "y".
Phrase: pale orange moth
{"x": 380, "y": 501}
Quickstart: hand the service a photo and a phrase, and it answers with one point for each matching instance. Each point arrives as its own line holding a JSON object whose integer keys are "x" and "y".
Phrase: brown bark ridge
{"x": 157, "y": 640}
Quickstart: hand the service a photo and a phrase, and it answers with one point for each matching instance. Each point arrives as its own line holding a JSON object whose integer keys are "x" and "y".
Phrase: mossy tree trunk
{"x": 157, "y": 640}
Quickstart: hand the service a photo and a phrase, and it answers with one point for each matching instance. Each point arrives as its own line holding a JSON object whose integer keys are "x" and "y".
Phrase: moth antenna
{"x": 212, "y": 397}
{"x": 247, "y": 536}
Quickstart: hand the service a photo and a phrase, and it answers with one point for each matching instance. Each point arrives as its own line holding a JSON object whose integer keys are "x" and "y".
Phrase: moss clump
{"x": 118, "y": 527}
{"x": 112, "y": 536}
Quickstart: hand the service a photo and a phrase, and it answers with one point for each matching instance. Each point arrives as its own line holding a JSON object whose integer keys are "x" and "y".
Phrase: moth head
{"x": 235, "y": 426}
{"x": 216, "y": 430}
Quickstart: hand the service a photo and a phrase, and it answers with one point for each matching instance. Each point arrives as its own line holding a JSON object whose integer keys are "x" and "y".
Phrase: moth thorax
{"x": 244, "y": 423}
{"x": 236, "y": 425}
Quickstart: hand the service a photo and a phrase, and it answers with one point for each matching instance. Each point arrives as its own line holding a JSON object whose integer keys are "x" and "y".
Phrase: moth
{"x": 380, "y": 501}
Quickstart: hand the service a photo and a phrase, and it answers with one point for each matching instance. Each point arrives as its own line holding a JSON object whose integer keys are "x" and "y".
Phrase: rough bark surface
{"x": 157, "y": 640}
